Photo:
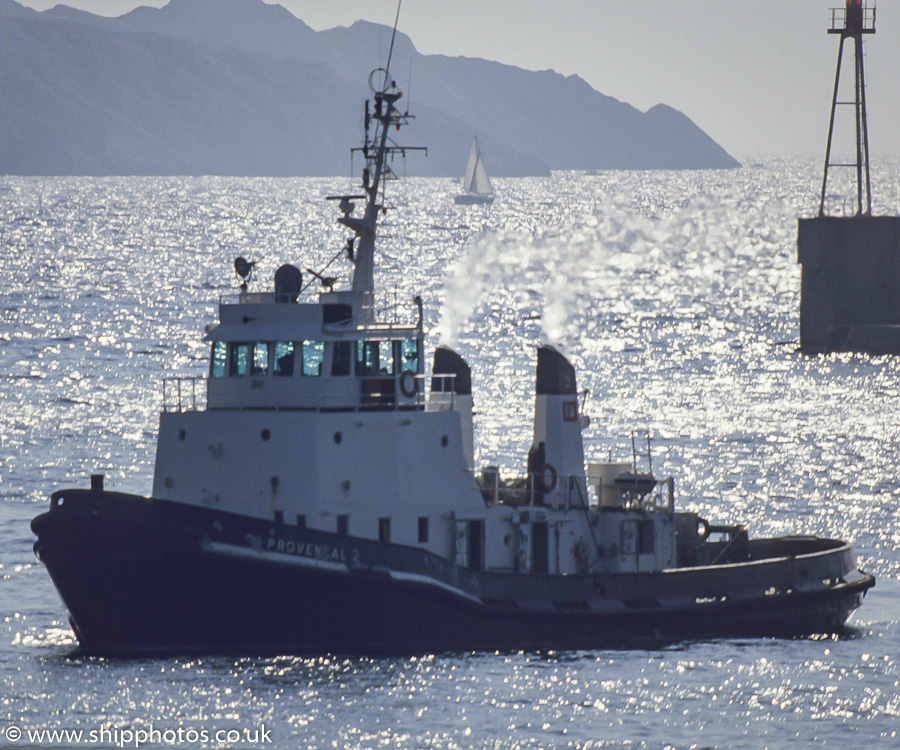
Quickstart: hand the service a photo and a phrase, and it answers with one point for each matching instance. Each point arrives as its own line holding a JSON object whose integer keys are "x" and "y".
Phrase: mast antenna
{"x": 409, "y": 87}
{"x": 378, "y": 150}
{"x": 387, "y": 68}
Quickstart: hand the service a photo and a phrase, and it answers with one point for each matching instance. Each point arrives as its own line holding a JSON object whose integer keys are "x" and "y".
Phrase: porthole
{"x": 181, "y": 434}
{"x": 338, "y": 437}
{"x": 266, "y": 434}
{"x": 444, "y": 441}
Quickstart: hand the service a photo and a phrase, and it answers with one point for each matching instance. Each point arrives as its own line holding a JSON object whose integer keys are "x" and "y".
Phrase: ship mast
{"x": 377, "y": 149}
{"x": 375, "y": 173}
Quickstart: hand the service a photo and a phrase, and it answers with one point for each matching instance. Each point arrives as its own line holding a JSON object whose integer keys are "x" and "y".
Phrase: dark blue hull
{"x": 146, "y": 576}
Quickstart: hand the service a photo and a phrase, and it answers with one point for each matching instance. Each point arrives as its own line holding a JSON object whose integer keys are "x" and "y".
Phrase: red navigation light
{"x": 858, "y": 18}
{"x": 854, "y": 14}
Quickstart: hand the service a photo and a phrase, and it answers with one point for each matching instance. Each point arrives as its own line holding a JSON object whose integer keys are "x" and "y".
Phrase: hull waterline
{"x": 147, "y": 577}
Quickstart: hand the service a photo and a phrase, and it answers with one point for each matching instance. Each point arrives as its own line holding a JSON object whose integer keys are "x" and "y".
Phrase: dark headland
{"x": 240, "y": 87}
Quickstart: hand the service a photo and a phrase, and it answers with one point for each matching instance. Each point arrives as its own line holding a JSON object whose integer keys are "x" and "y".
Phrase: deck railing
{"x": 533, "y": 490}
{"x": 190, "y": 393}
{"x": 548, "y": 489}
{"x": 442, "y": 396}
{"x": 853, "y": 18}
{"x": 385, "y": 312}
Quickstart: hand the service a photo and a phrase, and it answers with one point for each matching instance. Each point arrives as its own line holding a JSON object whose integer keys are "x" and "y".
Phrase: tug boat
{"x": 316, "y": 493}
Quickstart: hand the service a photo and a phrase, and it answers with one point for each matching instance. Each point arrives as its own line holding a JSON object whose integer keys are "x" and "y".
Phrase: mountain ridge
{"x": 246, "y": 88}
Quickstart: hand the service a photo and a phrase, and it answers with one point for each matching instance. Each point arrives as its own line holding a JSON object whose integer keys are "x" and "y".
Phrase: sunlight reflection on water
{"x": 675, "y": 295}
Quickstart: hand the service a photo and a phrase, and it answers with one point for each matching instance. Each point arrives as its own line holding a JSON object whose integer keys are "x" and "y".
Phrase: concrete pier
{"x": 850, "y": 284}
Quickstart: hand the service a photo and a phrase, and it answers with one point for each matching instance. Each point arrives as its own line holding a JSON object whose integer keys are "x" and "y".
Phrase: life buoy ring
{"x": 408, "y": 384}
{"x": 546, "y": 478}
{"x": 704, "y": 533}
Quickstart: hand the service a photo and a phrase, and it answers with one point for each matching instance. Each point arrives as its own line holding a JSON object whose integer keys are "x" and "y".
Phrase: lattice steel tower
{"x": 851, "y": 22}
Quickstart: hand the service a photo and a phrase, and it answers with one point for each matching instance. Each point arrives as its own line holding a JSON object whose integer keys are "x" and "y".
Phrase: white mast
{"x": 375, "y": 149}
{"x": 374, "y": 173}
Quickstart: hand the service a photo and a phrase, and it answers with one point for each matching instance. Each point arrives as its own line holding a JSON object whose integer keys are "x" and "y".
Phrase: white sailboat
{"x": 477, "y": 183}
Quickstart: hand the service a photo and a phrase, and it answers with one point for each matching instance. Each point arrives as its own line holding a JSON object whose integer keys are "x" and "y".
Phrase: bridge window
{"x": 367, "y": 357}
{"x": 284, "y": 358}
{"x": 218, "y": 360}
{"x": 240, "y": 358}
{"x": 645, "y": 536}
{"x": 409, "y": 355}
{"x": 386, "y": 357}
{"x": 313, "y": 354}
{"x": 375, "y": 358}
{"x": 340, "y": 358}
{"x": 260, "y": 363}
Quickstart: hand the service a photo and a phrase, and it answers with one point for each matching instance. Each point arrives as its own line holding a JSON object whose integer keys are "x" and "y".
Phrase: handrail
{"x": 367, "y": 318}
{"x": 181, "y": 394}
{"x": 445, "y": 397}
{"x": 527, "y": 490}
{"x": 841, "y": 20}
{"x": 374, "y": 327}
{"x": 384, "y": 309}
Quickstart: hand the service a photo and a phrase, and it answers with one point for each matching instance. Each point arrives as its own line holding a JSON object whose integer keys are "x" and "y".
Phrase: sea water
{"x": 676, "y": 296}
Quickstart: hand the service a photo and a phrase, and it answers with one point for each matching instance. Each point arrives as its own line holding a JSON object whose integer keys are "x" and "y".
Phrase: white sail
{"x": 476, "y": 182}
{"x": 480, "y": 181}
{"x": 474, "y": 160}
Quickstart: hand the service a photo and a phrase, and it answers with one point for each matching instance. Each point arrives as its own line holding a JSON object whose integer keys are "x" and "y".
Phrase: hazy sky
{"x": 757, "y": 75}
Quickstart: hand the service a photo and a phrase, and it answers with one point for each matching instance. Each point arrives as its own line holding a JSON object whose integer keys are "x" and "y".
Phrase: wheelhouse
{"x": 330, "y": 355}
